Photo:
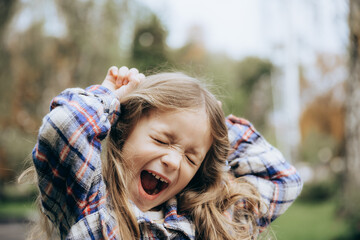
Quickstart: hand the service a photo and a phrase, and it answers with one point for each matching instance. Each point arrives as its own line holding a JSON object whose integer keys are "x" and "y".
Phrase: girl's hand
{"x": 122, "y": 81}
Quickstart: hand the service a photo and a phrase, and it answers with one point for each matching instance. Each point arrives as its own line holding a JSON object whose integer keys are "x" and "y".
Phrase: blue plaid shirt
{"x": 73, "y": 192}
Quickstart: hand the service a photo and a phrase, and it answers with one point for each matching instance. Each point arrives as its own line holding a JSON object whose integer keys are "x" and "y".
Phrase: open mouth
{"x": 152, "y": 183}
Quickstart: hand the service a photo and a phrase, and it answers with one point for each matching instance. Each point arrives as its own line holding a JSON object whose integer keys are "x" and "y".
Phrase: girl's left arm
{"x": 255, "y": 160}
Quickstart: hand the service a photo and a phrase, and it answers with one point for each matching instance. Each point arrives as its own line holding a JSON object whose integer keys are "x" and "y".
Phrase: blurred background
{"x": 289, "y": 66}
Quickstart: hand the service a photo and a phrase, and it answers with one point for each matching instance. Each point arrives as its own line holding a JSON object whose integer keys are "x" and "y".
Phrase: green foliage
{"x": 253, "y": 83}
{"x": 7, "y": 9}
{"x": 93, "y": 31}
{"x": 16, "y": 210}
{"x": 321, "y": 151}
{"x": 149, "y": 46}
{"x": 315, "y": 141}
{"x": 350, "y": 208}
{"x": 16, "y": 146}
{"x": 5, "y": 86}
{"x": 319, "y": 191}
{"x": 6, "y": 12}
{"x": 251, "y": 70}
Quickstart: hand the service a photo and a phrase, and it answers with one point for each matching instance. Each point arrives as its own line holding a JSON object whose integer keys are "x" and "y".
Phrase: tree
{"x": 35, "y": 66}
{"x": 7, "y": 9}
{"x": 93, "y": 32}
{"x": 253, "y": 90}
{"x": 149, "y": 46}
{"x": 351, "y": 197}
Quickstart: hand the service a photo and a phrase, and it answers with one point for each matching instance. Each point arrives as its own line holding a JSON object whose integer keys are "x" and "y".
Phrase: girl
{"x": 165, "y": 173}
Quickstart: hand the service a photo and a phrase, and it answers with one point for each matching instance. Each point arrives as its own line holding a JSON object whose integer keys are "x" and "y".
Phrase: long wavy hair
{"x": 212, "y": 191}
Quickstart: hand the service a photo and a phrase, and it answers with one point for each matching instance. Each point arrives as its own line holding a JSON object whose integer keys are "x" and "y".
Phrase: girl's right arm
{"x": 67, "y": 153}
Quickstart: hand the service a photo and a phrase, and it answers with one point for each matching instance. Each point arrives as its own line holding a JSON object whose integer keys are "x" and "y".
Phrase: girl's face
{"x": 165, "y": 150}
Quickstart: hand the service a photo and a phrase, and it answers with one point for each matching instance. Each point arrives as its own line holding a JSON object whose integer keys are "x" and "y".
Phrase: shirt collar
{"x": 172, "y": 220}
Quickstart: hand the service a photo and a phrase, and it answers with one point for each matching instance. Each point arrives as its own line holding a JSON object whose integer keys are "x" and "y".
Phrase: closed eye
{"x": 191, "y": 161}
{"x": 159, "y": 141}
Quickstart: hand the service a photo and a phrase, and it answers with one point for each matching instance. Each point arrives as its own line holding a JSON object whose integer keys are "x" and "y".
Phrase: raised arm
{"x": 67, "y": 153}
{"x": 259, "y": 163}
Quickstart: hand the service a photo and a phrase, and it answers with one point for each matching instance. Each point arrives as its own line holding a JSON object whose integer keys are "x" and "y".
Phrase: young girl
{"x": 175, "y": 167}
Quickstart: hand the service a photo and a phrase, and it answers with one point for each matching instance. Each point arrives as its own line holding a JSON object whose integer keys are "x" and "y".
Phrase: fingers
{"x": 132, "y": 75}
{"x": 134, "y": 79}
{"x": 123, "y": 73}
{"x": 134, "y": 71}
{"x": 110, "y": 78}
{"x": 128, "y": 75}
{"x": 127, "y": 80}
{"x": 117, "y": 78}
{"x": 113, "y": 72}
{"x": 141, "y": 76}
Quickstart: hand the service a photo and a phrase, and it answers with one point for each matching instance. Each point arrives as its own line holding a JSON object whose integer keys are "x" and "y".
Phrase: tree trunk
{"x": 352, "y": 178}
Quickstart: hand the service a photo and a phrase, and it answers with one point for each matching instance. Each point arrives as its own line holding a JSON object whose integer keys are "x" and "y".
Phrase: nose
{"x": 172, "y": 159}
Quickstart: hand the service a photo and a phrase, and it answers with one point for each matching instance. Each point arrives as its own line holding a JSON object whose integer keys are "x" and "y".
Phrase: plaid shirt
{"x": 73, "y": 192}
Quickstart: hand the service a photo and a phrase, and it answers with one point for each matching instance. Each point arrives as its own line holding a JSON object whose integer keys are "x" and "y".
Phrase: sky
{"x": 223, "y": 23}
{"x": 250, "y": 27}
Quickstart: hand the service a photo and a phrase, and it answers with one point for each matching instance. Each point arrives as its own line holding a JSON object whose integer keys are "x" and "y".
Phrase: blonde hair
{"x": 211, "y": 191}
{"x": 209, "y": 194}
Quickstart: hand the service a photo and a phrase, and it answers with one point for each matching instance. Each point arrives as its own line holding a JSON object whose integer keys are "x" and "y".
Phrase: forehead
{"x": 176, "y": 118}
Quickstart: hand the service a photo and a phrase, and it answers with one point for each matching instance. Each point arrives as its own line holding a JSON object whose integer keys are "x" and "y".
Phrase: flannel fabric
{"x": 259, "y": 163}
{"x": 73, "y": 192}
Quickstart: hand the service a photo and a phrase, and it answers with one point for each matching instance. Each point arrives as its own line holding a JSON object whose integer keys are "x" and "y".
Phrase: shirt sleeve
{"x": 67, "y": 154}
{"x": 259, "y": 163}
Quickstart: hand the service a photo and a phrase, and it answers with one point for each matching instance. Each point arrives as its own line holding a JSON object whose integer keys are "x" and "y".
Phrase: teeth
{"x": 156, "y": 176}
{"x": 159, "y": 178}
{"x": 163, "y": 180}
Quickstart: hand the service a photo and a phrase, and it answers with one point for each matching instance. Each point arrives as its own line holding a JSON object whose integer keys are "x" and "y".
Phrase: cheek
{"x": 187, "y": 175}
{"x": 131, "y": 157}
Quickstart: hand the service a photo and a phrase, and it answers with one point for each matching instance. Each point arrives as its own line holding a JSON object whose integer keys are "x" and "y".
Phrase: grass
{"x": 309, "y": 221}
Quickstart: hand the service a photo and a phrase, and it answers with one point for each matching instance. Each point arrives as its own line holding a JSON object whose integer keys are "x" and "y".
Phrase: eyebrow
{"x": 170, "y": 136}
